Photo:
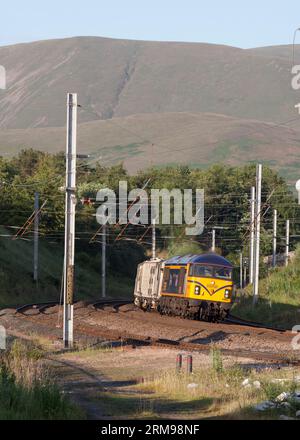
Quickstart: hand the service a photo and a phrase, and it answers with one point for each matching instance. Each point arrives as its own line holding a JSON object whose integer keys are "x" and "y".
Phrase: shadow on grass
{"x": 140, "y": 406}
{"x": 249, "y": 413}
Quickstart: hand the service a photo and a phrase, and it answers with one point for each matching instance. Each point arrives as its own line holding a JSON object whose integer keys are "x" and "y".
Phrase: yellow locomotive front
{"x": 197, "y": 287}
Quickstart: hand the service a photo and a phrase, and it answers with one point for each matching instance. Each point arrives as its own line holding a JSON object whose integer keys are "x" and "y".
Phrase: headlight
{"x": 227, "y": 294}
{"x": 197, "y": 290}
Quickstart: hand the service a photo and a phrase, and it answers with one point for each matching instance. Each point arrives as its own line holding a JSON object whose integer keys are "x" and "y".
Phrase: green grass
{"x": 26, "y": 391}
{"x": 289, "y": 173}
{"x": 279, "y": 297}
{"x": 228, "y": 147}
{"x": 119, "y": 153}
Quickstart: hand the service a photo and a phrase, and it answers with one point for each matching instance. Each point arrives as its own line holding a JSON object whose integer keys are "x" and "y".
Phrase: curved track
{"x": 39, "y": 307}
{"x": 115, "y": 303}
{"x": 231, "y": 319}
{"x": 120, "y": 321}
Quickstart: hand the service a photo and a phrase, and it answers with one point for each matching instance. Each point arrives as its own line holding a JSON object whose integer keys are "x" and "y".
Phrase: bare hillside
{"x": 116, "y": 78}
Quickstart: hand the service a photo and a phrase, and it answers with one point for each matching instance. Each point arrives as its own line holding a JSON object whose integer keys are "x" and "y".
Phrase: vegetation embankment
{"x": 27, "y": 390}
{"x": 279, "y": 297}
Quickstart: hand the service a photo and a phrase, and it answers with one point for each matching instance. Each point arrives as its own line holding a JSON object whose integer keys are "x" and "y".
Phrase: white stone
{"x": 192, "y": 386}
{"x": 227, "y": 386}
{"x": 283, "y": 396}
{"x": 256, "y": 384}
{"x": 245, "y": 382}
{"x": 263, "y": 406}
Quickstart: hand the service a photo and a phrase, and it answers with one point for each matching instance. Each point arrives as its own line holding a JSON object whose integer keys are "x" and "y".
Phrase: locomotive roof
{"x": 212, "y": 259}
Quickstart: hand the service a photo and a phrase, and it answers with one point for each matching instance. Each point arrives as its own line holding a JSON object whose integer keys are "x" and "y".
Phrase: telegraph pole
{"x": 70, "y": 204}
{"x": 36, "y": 237}
{"x": 287, "y": 243}
{"x": 257, "y": 232}
{"x": 213, "y": 240}
{"x": 153, "y": 239}
{"x": 274, "y": 258}
{"x": 104, "y": 261}
{"x": 252, "y": 228}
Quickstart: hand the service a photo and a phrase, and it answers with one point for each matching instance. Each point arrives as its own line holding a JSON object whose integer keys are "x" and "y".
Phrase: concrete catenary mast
{"x": 70, "y": 204}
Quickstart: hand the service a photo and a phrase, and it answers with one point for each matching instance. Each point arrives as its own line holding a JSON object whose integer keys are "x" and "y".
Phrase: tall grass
{"x": 279, "y": 297}
{"x": 27, "y": 391}
{"x": 216, "y": 359}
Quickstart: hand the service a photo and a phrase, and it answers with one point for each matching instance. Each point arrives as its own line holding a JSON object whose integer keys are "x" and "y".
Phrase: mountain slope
{"x": 284, "y": 51}
{"x": 116, "y": 78}
{"x": 198, "y": 139}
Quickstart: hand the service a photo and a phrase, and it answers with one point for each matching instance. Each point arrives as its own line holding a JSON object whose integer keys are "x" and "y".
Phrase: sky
{"x": 232, "y": 22}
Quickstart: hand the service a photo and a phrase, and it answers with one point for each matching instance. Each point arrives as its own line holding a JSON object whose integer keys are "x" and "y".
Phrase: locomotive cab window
{"x": 201, "y": 271}
{"x": 174, "y": 281}
{"x": 223, "y": 272}
{"x": 204, "y": 271}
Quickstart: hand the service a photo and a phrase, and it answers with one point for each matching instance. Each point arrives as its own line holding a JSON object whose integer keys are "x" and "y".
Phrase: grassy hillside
{"x": 17, "y": 285}
{"x": 197, "y": 139}
{"x": 279, "y": 301}
{"x": 116, "y": 78}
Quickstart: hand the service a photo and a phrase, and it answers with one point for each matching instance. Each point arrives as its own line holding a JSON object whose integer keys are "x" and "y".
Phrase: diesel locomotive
{"x": 197, "y": 287}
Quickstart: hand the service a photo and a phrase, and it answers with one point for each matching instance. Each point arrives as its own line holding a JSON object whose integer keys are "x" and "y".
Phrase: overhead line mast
{"x": 70, "y": 204}
{"x": 274, "y": 256}
{"x": 257, "y": 233}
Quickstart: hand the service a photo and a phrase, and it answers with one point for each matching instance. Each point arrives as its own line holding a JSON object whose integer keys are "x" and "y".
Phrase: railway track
{"x": 231, "y": 319}
{"x": 39, "y": 307}
{"x": 115, "y": 303}
{"x": 43, "y": 306}
{"x": 124, "y": 336}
